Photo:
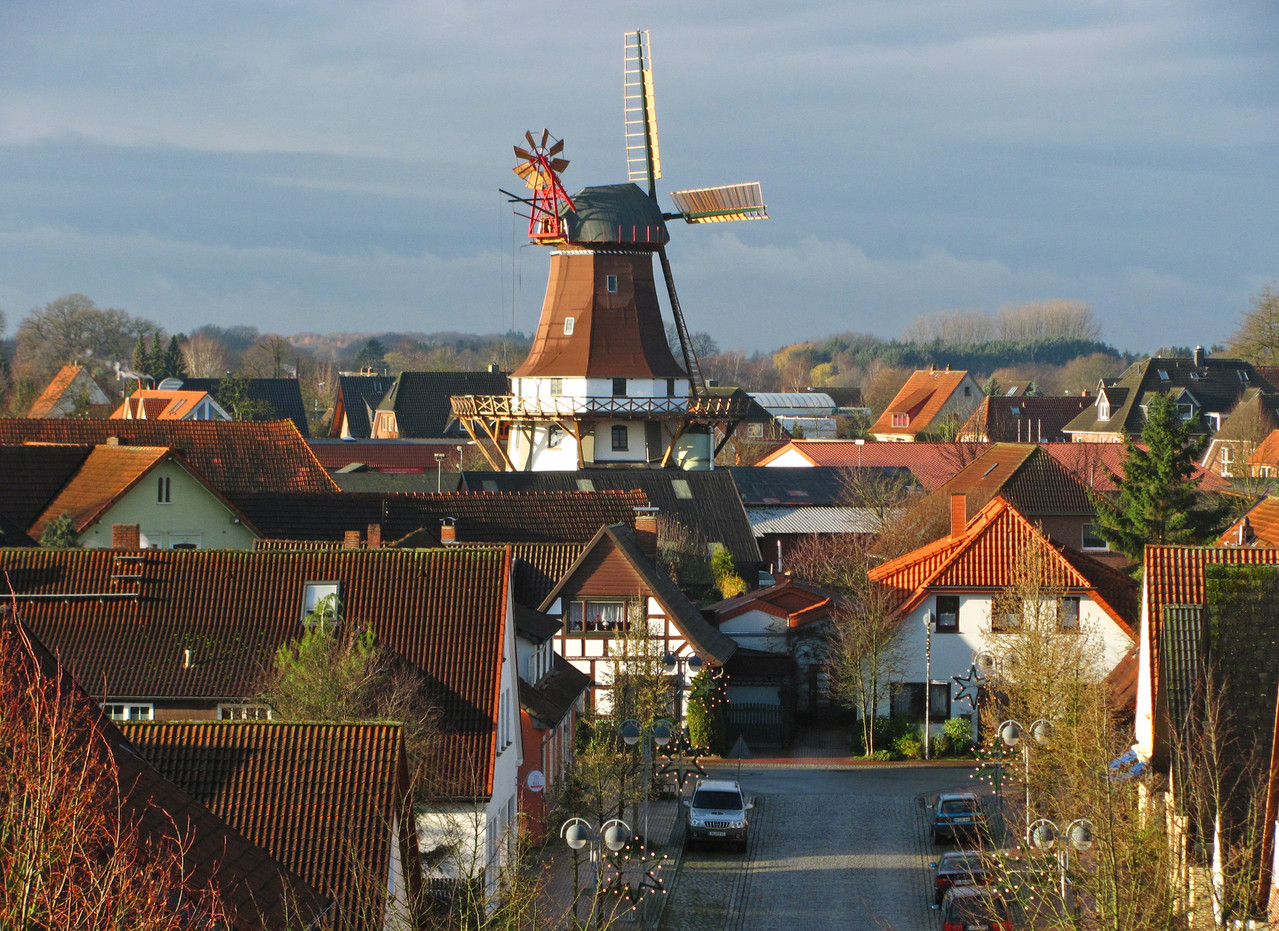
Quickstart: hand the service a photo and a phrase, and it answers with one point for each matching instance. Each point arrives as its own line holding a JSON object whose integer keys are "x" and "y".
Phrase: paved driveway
{"x": 831, "y": 849}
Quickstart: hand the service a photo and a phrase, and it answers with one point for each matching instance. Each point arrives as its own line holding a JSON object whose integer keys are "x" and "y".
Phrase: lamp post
{"x": 928, "y": 680}
{"x": 659, "y": 733}
{"x": 439, "y": 472}
{"x": 1011, "y": 733}
{"x": 578, "y": 833}
{"x": 673, "y": 662}
{"x": 1043, "y": 835}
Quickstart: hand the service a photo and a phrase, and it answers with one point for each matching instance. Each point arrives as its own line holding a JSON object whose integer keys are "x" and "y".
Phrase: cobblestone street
{"x": 830, "y": 849}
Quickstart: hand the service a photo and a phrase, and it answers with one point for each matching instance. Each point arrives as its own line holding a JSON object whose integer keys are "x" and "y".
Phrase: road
{"x": 831, "y": 849}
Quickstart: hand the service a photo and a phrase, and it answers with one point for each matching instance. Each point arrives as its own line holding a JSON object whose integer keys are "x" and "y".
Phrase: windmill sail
{"x": 643, "y": 161}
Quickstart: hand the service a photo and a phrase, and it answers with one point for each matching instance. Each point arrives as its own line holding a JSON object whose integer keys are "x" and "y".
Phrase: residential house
{"x": 930, "y": 463}
{"x": 1243, "y": 431}
{"x": 431, "y": 465}
{"x": 944, "y": 595}
{"x": 170, "y": 404}
{"x": 417, "y": 405}
{"x": 357, "y": 396}
{"x": 282, "y": 397}
{"x": 329, "y": 801}
{"x": 1263, "y": 462}
{"x": 150, "y": 489}
{"x": 614, "y": 591}
{"x": 178, "y": 635}
{"x": 1205, "y": 390}
{"x": 1019, "y": 419}
{"x": 72, "y": 392}
{"x": 1258, "y": 526}
{"x": 931, "y": 405}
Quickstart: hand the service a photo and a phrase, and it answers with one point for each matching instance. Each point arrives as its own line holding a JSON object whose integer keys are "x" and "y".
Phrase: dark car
{"x": 958, "y": 868}
{"x": 957, "y": 816}
{"x": 973, "y": 908}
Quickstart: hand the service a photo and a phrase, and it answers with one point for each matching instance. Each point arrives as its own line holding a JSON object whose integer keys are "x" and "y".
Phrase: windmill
{"x": 601, "y": 370}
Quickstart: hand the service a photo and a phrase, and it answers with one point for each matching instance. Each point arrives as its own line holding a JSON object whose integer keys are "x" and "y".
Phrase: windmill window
{"x": 619, "y": 387}
{"x": 755, "y": 430}
{"x": 557, "y": 387}
{"x": 162, "y": 491}
{"x": 568, "y": 326}
{"x": 612, "y": 284}
{"x": 621, "y": 437}
{"x": 670, "y": 387}
{"x": 554, "y": 437}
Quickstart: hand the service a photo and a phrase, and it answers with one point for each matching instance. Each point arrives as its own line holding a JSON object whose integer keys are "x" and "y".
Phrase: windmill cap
{"x": 616, "y": 213}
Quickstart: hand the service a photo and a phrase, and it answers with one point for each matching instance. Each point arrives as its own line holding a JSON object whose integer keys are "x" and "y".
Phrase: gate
{"x": 762, "y": 725}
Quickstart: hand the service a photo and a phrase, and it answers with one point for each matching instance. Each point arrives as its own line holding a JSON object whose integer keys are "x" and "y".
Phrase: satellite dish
{"x": 170, "y": 384}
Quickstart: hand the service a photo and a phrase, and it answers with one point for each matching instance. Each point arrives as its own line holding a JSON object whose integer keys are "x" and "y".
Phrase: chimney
{"x": 375, "y": 536}
{"x": 126, "y": 537}
{"x": 958, "y": 514}
{"x": 1199, "y": 357}
{"x": 448, "y": 530}
{"x": 351, "y": 540}
{"x": 113, "y": 441}
{"x": 646, "y": 531}
{"x": 493, "y": 369}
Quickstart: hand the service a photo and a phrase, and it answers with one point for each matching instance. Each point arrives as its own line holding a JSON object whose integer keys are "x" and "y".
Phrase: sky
{"x": 312, "y": 166}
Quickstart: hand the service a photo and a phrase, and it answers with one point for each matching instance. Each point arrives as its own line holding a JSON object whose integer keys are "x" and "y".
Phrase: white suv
{"x": 717, "y": 813}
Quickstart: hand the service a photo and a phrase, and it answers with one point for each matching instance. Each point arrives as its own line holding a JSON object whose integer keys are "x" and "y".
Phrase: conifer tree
{"x": 1158, "y": 499}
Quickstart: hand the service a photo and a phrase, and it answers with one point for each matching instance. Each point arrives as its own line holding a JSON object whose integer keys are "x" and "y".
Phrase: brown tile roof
{"x": 235, "y": 458}
{"x": 1026, "y": 476}
{"x": 1022, "y": 419}
{"x": 442, "y": 610}
{"x": 33, "y": 476}
{"x": 257, "y": 890}
{"x": 984, "y": 557}
{"x": 409, "y": 456}
{"x": 794, "y": 603}
{"x": 481, "y": 516}
{"x": 1122, "y": 681}
{"x": 922, "y": 398}
{"x": 321, "y": 798}
{"x": 47, "y": 404}
{"x": 1258, "y": 527}
{"x": 107, "y": 473}
{"x": 931, "y": 463}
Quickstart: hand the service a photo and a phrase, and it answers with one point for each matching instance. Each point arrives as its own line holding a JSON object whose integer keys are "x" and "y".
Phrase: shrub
{"x": 910, "y": 747}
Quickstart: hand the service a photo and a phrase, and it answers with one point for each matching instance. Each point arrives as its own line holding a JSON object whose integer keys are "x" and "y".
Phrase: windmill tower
{"x": 601, "y": 387}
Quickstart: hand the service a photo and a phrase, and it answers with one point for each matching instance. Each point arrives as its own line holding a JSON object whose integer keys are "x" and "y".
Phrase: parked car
{"x": 973, "y": 908}
{"x": 958, "y": 868}
{"x": 717, "y": 812}
{"x": 959, "y": 815}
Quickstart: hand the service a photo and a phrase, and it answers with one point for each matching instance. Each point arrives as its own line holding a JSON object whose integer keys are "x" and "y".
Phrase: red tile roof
{"x": 107, "y": 473}
{"x": 984, "y": 557}
{"x": 321, "y": 798}
{"x": 47, "y": 403}
{"x": 921, "y": 398}
{"x": 1258, "y": 527}
{"x": 792, "y": 602}
{"x": 235, "y": 458}
{"x": 1025, "y": 475}
{"x": 157, "y": 404}
{"x": 931, "y": 463}
{"x": 122, "y": 621}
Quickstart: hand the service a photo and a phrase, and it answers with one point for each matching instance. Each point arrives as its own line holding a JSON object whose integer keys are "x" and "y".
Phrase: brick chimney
{"x": 375, "y": 536}
{"x": 958, "y": 514}
{"x": 646, "y": 531}
{"x": 126, "y": 537}
{"x": 448, "y": 530}
{"x": 351, "y": 540}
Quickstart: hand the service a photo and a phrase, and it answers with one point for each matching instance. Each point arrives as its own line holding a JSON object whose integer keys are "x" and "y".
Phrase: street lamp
{"x": 676, "y": 663}
{"x": 1011, "y": 733}
{"x": 660, "y": 733}
{"x": 613, "y": 834}
{"x": 928, "y": 679}
{"x": 439, "y": 472}
{"x": 1043, "y": 835}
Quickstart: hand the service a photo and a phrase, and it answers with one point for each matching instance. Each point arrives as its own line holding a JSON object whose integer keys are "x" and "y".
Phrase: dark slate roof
{"x": 402, "y": 456}
{"x": 600, "y": 212}
{"x": 1026, "y": 476}
{"x": 123, "y": 620}
{"x": 551, "y": 698}
{"x": 283, "y": 394}
{"x": 709, "y": 643}
{"x": 33, "y": 476}
{"x": 236, "y": 458}
{"x": 825, "y": 486}
{"x": 705, "y": 503}
{"x": 359, "y": 396}
{"x": 480, "y": 517}
{"x": 535, "y": 626}
{"x": 321, "y": 798}
{"x": 421, "y": 400}
{"x": 1024, "y": 420}
{"x": 365, "y": 481}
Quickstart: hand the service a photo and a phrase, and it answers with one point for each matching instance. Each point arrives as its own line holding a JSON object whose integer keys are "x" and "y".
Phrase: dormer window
{"x": 1163, "y": 374}
{"x": 320, "y": 602}
{"x": 1103, "y": 408}
{"x": 901, "y": 420}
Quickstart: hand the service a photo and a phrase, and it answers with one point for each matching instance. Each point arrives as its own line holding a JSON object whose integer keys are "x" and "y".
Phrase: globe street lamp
{"x": 660, "y": 733}
{"x": 613, "y": 834}
{"x": 1011, "y": 733}
{"x": 673, "y": 662}
{"x": 1043, "y": 835}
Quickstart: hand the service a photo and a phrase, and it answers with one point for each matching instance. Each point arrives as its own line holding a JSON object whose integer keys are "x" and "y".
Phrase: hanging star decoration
{"x": 969, "y": 686}
{"x": 632, "y": 859}
{"x": 681, "y": 761}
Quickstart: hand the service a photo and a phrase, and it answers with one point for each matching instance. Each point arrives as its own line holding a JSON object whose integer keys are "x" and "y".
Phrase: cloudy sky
{"x": 323, "y": 166}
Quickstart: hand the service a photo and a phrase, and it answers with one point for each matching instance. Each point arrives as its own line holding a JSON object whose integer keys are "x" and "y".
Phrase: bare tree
{"x": 205, "y": 357}
{"x": 73, "y": 328}
{"x": 1256, "y": 339}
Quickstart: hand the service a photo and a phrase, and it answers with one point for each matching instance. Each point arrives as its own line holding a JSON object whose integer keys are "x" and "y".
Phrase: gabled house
{"x": 169, "y": 404}
{"x": 1019, "y": 419}
{"x": 417, "y": 405}
{"x": 1258, "y": 526}
{"x": 282, "y": 397}
{"x": 931, "y": 405}
{"x": 930, "y": 463}
{"x": 152, "y": 490}
{"x": 1243, "y": 430}
{"x": 329, "y": 801}
{"x": 614, "y": 590}
{"x": 1205, "y": 391}
{"x": 73, "y": 392}
{"x": 944, "y": 594}
{"x": 353, "y": 405}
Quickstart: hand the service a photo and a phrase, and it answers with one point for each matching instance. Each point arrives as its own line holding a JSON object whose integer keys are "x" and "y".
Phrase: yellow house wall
{"x": 193, "y": 509}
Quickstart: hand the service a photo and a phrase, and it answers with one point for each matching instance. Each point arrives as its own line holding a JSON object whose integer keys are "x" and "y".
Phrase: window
{"x": 557, "y": 387}
{"x": 670, "y": 387}
{"x": 184, "y": 541}
{"x": 1103, "y": 409}
{"x": 1092, "y": 540}
{"x": 619, "y": 387}
{"x": 130, "y": 712}
{"x": 968, "y": 391}
{"x": 596, "y": 617}
{"x": 1005, "y": 617}
{"x": 906, "y": 700}
{"x": 1163, "y": 375}
{"x": 322, "y": 600}
{"x": 939, "y": 698}
{"x": 682, "y": 489}
{"x": 621, "y": 437}
{"x": 755, "y": 430}
{"x": 901, "y": 420}
{"x": 244, "y": 712}
{"x": 568, "y": 326}
{"x": 554, "y": 437}
{"x": 1068, "y": 614}
{"x": 947, "y": 614}
{"x": 612, "y": 284}
{"x": 162, "y": 491}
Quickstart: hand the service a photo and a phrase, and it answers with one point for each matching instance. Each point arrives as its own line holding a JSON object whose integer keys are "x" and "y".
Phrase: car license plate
{"x": 718, "y": 833}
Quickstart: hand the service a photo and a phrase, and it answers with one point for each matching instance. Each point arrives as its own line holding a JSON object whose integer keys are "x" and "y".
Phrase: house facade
{"x": 931, "y": 405}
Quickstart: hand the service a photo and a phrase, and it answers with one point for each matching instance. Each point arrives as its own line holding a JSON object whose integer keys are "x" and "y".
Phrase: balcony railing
{"x": 509, "y": 407}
